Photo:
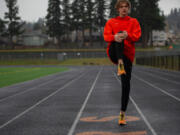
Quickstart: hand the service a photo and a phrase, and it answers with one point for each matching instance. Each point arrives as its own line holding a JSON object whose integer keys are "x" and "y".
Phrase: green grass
{"x": 13, "y": 75}
{"x": 30, "y": 62}
{"x": 74, "y": 62}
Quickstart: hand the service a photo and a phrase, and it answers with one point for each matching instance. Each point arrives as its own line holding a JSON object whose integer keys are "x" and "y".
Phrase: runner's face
{"x": 123, "y": 9}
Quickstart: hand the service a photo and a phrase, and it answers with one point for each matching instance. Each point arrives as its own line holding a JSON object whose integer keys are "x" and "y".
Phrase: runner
{"x": 121, "y": 33}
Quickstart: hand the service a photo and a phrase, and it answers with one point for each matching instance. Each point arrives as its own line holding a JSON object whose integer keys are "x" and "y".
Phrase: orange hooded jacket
{"x": 129, "y": 24}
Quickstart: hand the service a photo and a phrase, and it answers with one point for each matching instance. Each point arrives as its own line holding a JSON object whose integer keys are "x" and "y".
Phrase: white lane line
{"x": 160, "y": 77}
{"x": 140, "y": 112}
{"x": 159, "y": 71}
{"x": 167, "y": 74}
{"x": 39, "y": 102}
{"x": 143, "y": 117}
{"x": 174, "y": 97}
{"x": 27, "y": 90}
{"x": 71, "y": 131}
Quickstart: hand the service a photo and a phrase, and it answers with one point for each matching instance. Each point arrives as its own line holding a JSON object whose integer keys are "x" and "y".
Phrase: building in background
{"x": 159, "y": 38}
{"x": 33, "y": 39}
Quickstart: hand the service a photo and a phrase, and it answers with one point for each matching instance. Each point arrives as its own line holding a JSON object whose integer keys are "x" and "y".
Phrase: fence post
{"x": 172, "y": 62}
{"x": 179, "y": 62}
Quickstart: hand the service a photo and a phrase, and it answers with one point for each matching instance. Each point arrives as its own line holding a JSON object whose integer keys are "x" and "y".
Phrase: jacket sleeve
{"x": 135, "y": 33}
{"x": 108, "y": 32}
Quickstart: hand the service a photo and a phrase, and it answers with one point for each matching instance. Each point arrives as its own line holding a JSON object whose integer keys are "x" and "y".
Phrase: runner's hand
{"x": 118, "y": 37}
{"x": 125, "y": 34}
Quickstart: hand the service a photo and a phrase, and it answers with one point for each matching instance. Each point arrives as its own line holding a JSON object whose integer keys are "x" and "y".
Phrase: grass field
{"x": 12, "y": 75}
{"x": 74, "y": 62}
{"x": 30, "y": 62}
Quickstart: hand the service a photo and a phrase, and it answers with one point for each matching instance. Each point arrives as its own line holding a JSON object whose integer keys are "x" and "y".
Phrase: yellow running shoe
{"x": 122, "y": 120}
{"x": 121, "y": 69}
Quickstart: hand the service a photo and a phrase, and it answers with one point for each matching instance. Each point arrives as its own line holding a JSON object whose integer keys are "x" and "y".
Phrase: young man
{"x": 124, "y": 31}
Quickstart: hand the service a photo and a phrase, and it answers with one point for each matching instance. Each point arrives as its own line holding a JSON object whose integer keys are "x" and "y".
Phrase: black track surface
{"x": 57, "y": 104}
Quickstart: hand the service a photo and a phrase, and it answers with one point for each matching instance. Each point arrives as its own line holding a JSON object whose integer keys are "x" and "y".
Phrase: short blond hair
{"x": 118, "y": 3}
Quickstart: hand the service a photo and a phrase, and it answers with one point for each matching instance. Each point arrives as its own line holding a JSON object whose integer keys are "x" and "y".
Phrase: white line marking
{"x": 140, "y": 112}
{"x": 159, "y": 71}
{"x": 144, "y": 118}
{"x": 178, "y": 99}
{"x": 160, "y": 77}
{"x": 71, "y": 131}
{"x": 164, "y": 73}
{"x": 27, "y": 90}
{"x": 39, "y": 102}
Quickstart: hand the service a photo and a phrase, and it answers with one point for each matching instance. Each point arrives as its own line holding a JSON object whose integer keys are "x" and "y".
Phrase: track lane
{"x": 6, "y": 95}
{"x": 11, "y": 107}
{"x": 168, "y": 79}
{"x": 55, "y": 114}
{"x": 11, "y": 90}
{"x": 161, "y": 84}
{"x": 140, "y": 112}
{"x": 102, "y": 110}
{"x": 160, "y": 109}
{"x": 174, "y": 75}
{"x": 51, "y": 113}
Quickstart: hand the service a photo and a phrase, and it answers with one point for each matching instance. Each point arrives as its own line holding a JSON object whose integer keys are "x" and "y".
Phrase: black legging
{"x": 119, "y": 47}
{"x": 125, "y": 83}
{"x": 115, "y": 53}
{"x": 125, "y": 78}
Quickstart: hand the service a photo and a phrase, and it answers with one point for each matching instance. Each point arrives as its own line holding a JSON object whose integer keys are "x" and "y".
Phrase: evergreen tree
{"x": 2, "y": 27}
{"x": 66, "y": 16}
{"x": 113, "y": 11}
{"x": 90, "y": 17}
{"x": 173, "y": 20}
{"x": 13, "y": 20}
{"x": 134, "y": 9}
{"x": 40, "y": 26}
{"x": 74, "y": 17}
{"x": 101, "y": 16}
{"x": 79, "y": 21}
{"x": 82, "y": 19}
{"x": 54, "y": 20}
{"x": 150, "y": 18}
{"x": 37, "y": 26}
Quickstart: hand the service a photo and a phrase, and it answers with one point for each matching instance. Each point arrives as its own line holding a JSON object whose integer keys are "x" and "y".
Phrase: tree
{"x": 74, "y": 17}
{"x": 13, "y": 20}
{"x": 134, "y": 5}
{"x": 79, "y": 21}
{"x": 113, "y": 11}
{"x": 150, "y": 17}
{"x": 90, "y": 20}
{"x": 66, "y": 16}
{"x": 54, "y": 20}
{"x": 82, "y": 19}
{"x": 173, "y": 20}
{"x": 2, "y": 27}
{"x": 101, "y": 16}
{"x": 39, "y": 26}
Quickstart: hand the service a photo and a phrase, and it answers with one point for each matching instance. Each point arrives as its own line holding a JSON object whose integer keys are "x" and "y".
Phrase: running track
{"x": 86, "y": 101}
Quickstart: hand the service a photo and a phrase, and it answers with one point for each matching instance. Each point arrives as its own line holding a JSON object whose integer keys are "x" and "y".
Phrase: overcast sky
{"x": 31, "y": 10}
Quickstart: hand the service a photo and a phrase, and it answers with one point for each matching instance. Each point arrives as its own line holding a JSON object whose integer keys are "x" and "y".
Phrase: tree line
{"x": 67, "y": 16}
{"x": 173, "y": 20}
